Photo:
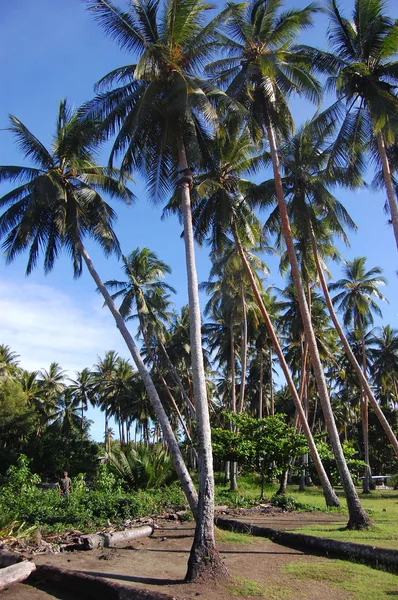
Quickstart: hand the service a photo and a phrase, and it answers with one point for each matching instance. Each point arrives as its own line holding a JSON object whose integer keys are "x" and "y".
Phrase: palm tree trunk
{"x": 392, "y": 200}
{"x": 233, "y": 484}
{"x": 243, "y": 361}
{"x": 204, "y": 559}
{"x": 271, "y": 383}
{"x": 174, "y": 449}
{"x": 348, "y": 350}
{"x": 330, "y": 495}
{"x": 261, "y": 386}
{"x": 365, "y": 425}
{"x": 357, "y": 516}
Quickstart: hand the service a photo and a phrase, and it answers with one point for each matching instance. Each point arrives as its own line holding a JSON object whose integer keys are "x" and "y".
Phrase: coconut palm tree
{"x": 57, "y": 205}
{"x": 8, "y": 361}
{"x": 355, "y": 300}
{"x": 221, "y": 208}
{"x": 161, "y": 114}
{"x": 82, "y": 389}
{"x": 262, "y": 70}
{"x": 365, "y": 50}
{"x": 318, "y": 216}
{"x": 145, "y": 290}
{"x": 385, "y": 360}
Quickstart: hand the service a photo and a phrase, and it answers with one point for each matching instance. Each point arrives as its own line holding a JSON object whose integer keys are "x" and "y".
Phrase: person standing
{"x": 65, "y": 484}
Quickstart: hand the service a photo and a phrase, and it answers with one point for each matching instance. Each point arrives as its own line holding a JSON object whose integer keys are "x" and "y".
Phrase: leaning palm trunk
{"x": 392, "y": 201}
{"x": 330, "y": 495}
{"x": 357, "y": 516}
{"x": 204, "y": 560}
{"x": 363, "y": 380}
{"x": 175, "y": 453}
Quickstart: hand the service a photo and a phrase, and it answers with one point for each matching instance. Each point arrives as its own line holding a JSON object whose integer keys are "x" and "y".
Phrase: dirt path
{"x": 160, "y": 562}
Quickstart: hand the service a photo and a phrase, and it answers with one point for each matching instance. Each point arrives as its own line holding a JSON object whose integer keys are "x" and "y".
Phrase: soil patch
{"x": 159, "y": 563}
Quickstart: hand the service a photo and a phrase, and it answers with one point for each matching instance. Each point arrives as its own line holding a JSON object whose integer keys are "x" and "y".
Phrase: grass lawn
{"x": 361, "y": 582}
{"x": 382, "y": 507}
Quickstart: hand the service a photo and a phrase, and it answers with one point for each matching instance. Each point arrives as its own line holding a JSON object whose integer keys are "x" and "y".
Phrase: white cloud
{"x": 43, "y": 324}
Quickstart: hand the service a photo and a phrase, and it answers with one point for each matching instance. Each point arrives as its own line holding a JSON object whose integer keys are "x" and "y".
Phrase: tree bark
{"x": 348, "y": 350}
{"x": 15, "y": 573}
{"x": 261, "y": 385}
{"x": 392, "y": 201}
{"x": 357, "y": 516}
{"x": 243, "y": 361}
{"x": 330, "y": 495}
{"x": 174, "y": 449}
{"x": 204, "y": 560}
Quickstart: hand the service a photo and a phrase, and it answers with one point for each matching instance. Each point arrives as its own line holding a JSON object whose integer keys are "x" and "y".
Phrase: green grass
{"x": 363, "y": 583}
{"x": 246, "y": 587}
{"x": 230, "y": 537}
{"x": 382, "y": 507}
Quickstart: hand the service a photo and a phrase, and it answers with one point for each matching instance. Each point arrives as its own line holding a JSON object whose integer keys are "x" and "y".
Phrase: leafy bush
{"x": 284, "y": 501}
{"x": 142, "y": 466}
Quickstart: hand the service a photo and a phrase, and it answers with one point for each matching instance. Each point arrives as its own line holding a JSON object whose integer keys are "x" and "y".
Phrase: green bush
{"x": 284, "y": 501}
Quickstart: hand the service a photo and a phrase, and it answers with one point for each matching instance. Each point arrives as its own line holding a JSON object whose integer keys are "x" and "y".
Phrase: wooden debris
{"x": 108, "y": 540}
{"x": 15, "y": 573}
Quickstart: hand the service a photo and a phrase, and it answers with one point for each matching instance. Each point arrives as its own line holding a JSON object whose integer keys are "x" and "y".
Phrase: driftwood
{"x": 375, "y": 556}
{"x": 15, "y": 573}
{"x": 92, "y": 587}
{"x": 108, "y": 540}
{"x": 7, "y": 558}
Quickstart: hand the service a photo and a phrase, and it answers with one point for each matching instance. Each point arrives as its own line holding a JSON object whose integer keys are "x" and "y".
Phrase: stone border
{"x": 380, "y": 558}
{"x": 91, "y": 587}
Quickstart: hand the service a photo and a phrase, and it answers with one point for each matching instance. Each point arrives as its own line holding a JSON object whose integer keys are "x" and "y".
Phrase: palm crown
{"x": 58, "y": 202}
{"x": 159, "y": 98}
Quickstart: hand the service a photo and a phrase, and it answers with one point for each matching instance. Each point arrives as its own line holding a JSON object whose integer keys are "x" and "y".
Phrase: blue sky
{"x": 51, "y": 49}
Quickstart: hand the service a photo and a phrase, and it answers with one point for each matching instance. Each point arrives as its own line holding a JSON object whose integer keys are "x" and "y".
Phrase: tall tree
{"x": 56, "y": 206}
{"x": 162, "y": 114}
{"x": 263, "y": 69}
{"x": 317, "y": 218}
{"x": 221, "y": 208}
{"x": 355, "y": 299}
{"x": 365, "y": 50}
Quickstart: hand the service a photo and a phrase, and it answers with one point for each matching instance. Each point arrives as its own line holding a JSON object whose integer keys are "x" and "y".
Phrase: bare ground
{"x": 159, "y": 563}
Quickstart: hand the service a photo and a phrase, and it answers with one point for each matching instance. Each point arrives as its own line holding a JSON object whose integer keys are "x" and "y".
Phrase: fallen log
{"x": 109, "y": 540}
{"x": 385, "y": 558}
{"x": 7, "y": 558}
{"x": 15, "y": 573}
{"x": 92, "y": 587}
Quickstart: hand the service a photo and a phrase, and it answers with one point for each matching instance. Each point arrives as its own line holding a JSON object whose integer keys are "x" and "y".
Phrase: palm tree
{"x": 365, "y": 51}
{"x": 385, "y": 360}
{"x": 316, "y": 215}
{"x": 8, "y": 361}
{"x": 56, "y": 206}
{"x": 82, "y": 389}
{"x": 158, "y": 112}
{"x": 356, "y": 300}
{"x": 262, "y": 70}
{"x": 221, "y": 208}
{"x": 146, "y": 291}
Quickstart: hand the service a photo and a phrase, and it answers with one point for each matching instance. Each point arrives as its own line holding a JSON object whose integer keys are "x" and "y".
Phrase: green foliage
{"x": 142, "y": 466}
{"x": 355, "y": 465}
{"x": 22, "y": 501}
{"x": 265, "y": 445}
{"x": 285, "y": 501}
